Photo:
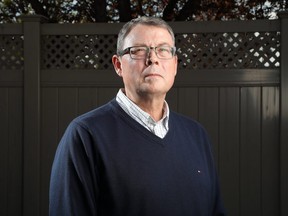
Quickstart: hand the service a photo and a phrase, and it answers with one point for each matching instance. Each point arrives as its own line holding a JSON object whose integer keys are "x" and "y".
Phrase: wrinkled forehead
{"x": 148, "y": 35}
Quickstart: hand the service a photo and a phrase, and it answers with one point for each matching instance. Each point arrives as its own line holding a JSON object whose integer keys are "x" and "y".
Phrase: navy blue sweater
{"x": 108, "y": 164}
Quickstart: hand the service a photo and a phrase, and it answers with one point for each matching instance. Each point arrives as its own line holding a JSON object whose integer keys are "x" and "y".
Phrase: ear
{"x": 176, "y": 65}
{"x": 117, "y": 65}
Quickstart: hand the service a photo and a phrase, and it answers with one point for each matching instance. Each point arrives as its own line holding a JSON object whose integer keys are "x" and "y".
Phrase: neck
{"x": 149, "y": 103}
{"x": 154, "y": 108}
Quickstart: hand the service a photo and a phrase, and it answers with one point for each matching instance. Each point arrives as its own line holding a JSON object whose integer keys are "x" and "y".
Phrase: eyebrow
{"x": 160, "y": 44}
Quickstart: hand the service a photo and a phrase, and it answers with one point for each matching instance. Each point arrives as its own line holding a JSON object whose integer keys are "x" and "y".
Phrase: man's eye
{"x": 138, "y": 51}
{"x": 163, "y": 49}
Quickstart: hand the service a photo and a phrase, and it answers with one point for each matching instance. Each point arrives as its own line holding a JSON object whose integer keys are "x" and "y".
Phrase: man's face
{"x": 139, "y": 77}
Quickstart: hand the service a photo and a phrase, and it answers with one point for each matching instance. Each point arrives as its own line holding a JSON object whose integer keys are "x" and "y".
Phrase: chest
{"x": 148, "y": 174}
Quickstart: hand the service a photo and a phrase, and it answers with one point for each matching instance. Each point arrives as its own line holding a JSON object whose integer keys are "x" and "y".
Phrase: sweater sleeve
{"x": 73, "y": 183}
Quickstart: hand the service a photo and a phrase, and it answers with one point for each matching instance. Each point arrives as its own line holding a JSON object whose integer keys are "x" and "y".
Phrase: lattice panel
{"x": 229, "y": 50}
{"x": 11, "y": 52}
{"x": 195, "y": 51}
{"x": 78, "y": 52}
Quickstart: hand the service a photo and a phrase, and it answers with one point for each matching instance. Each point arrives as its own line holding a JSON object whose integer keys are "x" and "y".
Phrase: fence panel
{"x": 231, "y": 78}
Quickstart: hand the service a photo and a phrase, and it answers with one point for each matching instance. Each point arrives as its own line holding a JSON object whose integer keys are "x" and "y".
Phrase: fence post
{"x": 284, "y": 114}
{"x": 31, "y": 139}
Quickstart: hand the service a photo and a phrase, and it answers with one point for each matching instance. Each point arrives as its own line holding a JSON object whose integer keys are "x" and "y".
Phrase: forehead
{"x": 148, "y": 35}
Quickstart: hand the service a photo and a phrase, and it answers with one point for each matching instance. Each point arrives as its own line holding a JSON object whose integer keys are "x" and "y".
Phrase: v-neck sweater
{"x": 108, "y": 164}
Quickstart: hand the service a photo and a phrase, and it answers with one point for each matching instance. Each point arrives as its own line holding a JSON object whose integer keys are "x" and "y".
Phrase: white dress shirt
{"x": 159, "y": 128}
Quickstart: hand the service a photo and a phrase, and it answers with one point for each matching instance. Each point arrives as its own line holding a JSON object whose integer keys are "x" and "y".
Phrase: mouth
{"x": 153, "y": 75}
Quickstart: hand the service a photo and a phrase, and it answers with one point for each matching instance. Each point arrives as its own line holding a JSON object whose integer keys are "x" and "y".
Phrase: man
{"x": 133, "y": 156}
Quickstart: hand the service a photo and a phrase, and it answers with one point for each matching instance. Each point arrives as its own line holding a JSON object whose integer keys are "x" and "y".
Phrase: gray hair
{"x": 149, "y": 21}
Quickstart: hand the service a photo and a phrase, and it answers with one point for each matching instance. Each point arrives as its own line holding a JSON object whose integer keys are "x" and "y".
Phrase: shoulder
{"x": 99, "y": 114}
{"x": 95, "y": 121}
{"x": 98, "y": 119}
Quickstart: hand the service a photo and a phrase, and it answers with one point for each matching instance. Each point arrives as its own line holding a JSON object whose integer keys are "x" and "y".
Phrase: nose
{"x": 151, "y": 57}
{"x": 148, "y": 61}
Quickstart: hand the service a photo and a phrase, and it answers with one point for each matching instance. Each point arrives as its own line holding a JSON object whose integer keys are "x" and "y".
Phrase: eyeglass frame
{"x": 148, "y": 50}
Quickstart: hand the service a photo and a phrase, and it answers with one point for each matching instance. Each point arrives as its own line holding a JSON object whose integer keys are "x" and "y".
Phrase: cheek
{"x": 131, "y": 64}
{"x": 171, "y": 70}
{"x": 131, "y": 73}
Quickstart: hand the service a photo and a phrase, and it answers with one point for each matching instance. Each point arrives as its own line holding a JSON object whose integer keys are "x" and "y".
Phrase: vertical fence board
{"x": 229, "y": 141}
{"x": 270, "y": 152}
{"x": 49, "y": 140}
{"x": 188, "y": 102}
{"x": 87, "y": 101}
{"x": 68, "y": 107}
{"x": 4, "y": 145}
{"x": 209, "y": 114}
{"x": 250, "y": 152}
{"x": 172, "y": 99}
{"x": 15, "y": 144}
{"x": 106, "y": 94}
{"x": 11, "y": 133}
{"x": 284, "y": 113}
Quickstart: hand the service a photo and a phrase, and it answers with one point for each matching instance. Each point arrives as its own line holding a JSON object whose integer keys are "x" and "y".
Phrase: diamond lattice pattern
{"x": 11, "y": 52}
{"x": 78, "y": 52}
{"x": 229, "y": 50}
{"x": 195, "y": 51}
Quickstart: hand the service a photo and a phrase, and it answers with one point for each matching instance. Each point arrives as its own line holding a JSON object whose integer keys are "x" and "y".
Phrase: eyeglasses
{"x": 141, "y": 52}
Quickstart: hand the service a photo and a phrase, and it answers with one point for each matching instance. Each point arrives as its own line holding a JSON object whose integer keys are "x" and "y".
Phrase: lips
{"x": 153, "y": 75}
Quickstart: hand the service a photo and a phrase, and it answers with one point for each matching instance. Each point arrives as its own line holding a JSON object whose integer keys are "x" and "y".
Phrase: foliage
{"x": 72, "y": 11}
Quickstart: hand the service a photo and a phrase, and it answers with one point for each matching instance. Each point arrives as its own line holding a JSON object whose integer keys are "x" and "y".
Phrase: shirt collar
{"x": 136, "y": 112}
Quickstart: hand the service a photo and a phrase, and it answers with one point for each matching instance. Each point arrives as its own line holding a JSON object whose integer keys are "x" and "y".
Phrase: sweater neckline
{"x": 140, "y": 128}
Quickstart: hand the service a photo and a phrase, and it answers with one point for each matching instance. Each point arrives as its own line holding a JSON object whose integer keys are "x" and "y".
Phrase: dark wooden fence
{"x": 233, "y": 78}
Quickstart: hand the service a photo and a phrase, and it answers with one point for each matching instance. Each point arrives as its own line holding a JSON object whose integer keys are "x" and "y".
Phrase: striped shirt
{"x": 159, "y": 128}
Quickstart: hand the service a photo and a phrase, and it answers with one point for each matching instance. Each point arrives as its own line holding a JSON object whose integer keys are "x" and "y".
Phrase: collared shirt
{"x": 159, "y": 128}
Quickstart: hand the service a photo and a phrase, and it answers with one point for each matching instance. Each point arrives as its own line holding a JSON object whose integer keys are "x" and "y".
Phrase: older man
{"x": 133, "y": 156}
